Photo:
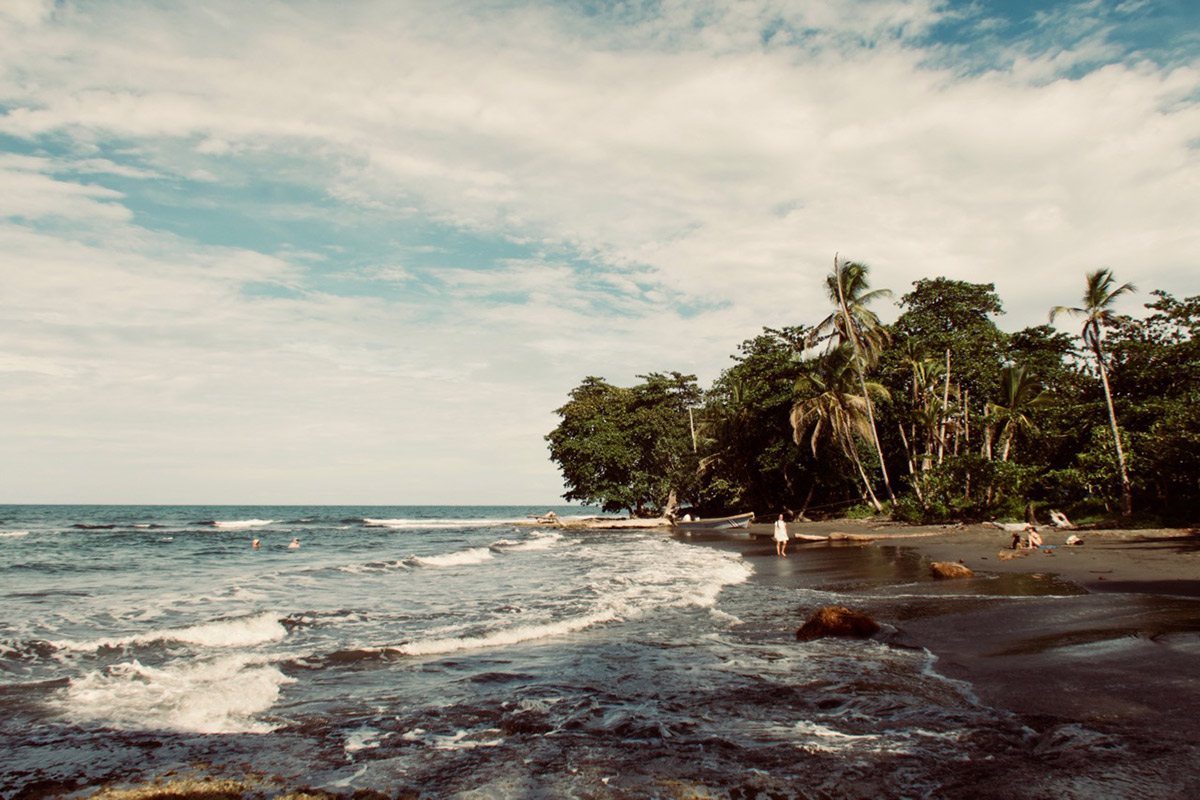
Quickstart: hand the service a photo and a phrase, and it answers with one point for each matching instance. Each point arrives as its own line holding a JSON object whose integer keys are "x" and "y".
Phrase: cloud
{"x": 380, "y": 227}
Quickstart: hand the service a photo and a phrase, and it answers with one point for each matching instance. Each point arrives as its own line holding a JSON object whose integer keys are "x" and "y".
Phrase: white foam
{"x": 475, "y": 555}
{"x": 223, "y": 695}
{"x": 13, "y": 534}
{"x": 539, "y": 541}
{"x": 456, "y": 741}
{"x": 505, "y": 636}
{"x": 401, "y": 524}
{"x": 362, "y": 739}
{"x": 242, "y": 524}
{"x": 236, "y": 632}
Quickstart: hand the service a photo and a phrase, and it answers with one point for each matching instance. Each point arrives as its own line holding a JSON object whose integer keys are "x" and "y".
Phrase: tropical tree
{"x": 854, "y": 324}
{"x": 628, "y": 448}
{"x": 829, "y": 407}
{"x": 1097, "y": 310}
{"x": 1020, "y": 393}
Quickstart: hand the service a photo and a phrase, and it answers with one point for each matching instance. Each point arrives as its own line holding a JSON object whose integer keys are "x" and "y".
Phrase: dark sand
{"x": 1103, "y": 637}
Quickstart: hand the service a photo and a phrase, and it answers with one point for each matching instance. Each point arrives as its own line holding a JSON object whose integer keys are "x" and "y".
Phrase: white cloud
{"x": 689, "y": 159}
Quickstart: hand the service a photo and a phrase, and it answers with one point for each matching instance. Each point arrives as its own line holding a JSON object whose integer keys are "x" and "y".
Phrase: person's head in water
{"x": 254, "y": 544}
{"x": 294, "y": 545}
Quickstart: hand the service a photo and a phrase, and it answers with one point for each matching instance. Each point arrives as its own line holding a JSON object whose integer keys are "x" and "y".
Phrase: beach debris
{"x": 1011, "y": 527}
{"x": 838, "y": 536}
{"x": 1073, "y": 540}
{"x": 836, "y": 621}
{"x": 1060, "y": 521}
{"x": 948, "y": 569}
{"x": 1009, "y": 555}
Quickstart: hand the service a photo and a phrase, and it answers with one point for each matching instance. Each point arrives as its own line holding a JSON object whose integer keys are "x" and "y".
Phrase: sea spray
{"x": 220, "y": 695}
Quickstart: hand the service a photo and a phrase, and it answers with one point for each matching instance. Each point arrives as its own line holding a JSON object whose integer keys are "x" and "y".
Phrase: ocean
{"x": 449, "y": 651}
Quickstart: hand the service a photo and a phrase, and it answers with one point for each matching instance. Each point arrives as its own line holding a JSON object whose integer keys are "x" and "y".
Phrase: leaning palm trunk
{"x": 1098, "y": 299}
{"x": 862, "y": 473}
{"x": 862, "y": 382}
{"x": 1126, "y": 490}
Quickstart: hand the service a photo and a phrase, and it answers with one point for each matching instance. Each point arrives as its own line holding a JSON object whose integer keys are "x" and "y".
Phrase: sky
{"x": 324, "y": 252}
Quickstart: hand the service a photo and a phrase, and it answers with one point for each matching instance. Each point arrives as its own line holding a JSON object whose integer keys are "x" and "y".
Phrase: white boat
{"x": 715, "y": 523}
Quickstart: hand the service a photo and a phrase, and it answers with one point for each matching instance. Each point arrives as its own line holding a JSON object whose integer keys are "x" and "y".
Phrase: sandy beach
{"x": 1101, "y": 638}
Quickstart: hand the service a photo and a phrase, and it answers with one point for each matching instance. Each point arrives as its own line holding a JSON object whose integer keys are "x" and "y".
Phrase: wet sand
{"x": 1103, "y": 637}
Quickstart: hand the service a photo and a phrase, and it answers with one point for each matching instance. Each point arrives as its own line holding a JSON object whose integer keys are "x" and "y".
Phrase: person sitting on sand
{"x": 781, "y": 536}
{"x": 1035, "y": 538}
{"x": 294, "y": 545}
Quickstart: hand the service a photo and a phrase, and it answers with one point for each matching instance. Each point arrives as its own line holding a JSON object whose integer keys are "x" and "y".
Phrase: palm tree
{"x": 1098, "y": 299}
{"x": 852, "y": 322}
{"x": 830, "y": 407}
{"x": 1020, "y": 393}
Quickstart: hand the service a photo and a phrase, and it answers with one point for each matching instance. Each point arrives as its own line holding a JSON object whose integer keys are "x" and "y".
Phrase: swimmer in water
{"x": 295, "y": 545}
{"x": 254, "y": 544}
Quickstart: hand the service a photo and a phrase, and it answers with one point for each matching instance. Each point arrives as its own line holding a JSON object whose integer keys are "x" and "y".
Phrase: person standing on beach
{"x": 781, "y": 536}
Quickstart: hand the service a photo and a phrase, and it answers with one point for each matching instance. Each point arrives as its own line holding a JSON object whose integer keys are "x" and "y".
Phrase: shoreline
{"x": 1163, "y": 561}
{"x": 1103, "y": 636}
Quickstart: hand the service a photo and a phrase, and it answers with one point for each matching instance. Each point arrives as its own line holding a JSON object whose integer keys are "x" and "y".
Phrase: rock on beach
{"x": 946, "y": 570}
{"x": 837, "y": 621}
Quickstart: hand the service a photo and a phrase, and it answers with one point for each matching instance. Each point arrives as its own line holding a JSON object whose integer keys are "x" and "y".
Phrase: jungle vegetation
{"x": 938, "y": 416}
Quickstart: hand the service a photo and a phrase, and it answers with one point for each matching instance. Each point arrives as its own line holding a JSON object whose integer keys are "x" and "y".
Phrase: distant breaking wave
{"x": 539, "y": 541}
{"x": 240, "y": 524}
{"x": 475, "y": 555}
{"x": 400, "y": 524}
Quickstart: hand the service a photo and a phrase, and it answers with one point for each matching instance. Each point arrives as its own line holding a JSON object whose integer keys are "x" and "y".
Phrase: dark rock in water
{"x": 837, "y": 621}
{"x": 948, "y": 569}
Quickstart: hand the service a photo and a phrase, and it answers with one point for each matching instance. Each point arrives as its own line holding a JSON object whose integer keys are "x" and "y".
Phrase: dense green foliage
{"x": 629, "y": 448}
{"x": 955, "y": 417}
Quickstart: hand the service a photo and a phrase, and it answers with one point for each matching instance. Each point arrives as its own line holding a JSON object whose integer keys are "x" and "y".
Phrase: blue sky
{"x": 319, "y": 252}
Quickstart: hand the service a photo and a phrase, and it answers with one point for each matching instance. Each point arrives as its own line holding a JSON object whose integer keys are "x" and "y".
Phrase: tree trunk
{"x": 1126, "y": 490}
{"x": 862, "y": 381}
{"x": 852, "y": 451}
{"x": 945, "y": 410}
{"x": 912, "y": 468}
{"x": 800, "y": 516}
{"x": 672, "y": 509}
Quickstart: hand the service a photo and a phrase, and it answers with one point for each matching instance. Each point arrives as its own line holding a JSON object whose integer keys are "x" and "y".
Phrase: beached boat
{"x": 715, "y": 523}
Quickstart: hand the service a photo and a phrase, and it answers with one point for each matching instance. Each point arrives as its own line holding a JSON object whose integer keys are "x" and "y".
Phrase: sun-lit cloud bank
{"x": 329, "y": 252}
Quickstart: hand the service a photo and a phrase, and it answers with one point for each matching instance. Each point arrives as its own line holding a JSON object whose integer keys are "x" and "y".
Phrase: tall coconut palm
{"x": 829, "y": 406}
{"x": 853, "y": 323}
{"x": 1097, "y": 311}
{"x": 1020, "y": 393}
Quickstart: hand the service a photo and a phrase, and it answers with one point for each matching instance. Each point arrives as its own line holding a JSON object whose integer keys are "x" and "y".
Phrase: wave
{"x": 12, "y": 534}
{"x": 539, "y": 541}
{"x": 234, "y": 632}
{"x": 404, "y": 524}
{"x": 222, "y": 695}
{"x": 462, "y": 558}
{"x": 241, "y": 524}
{"x": 373, "y": 567}
{"x": 504, "y": 636}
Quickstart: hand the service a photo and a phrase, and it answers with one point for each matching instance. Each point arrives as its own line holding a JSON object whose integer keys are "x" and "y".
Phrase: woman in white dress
{"x": 781, "y": 536}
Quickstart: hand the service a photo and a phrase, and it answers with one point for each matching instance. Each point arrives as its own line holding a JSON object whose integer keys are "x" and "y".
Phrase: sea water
{"x": 444, "y": 651}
